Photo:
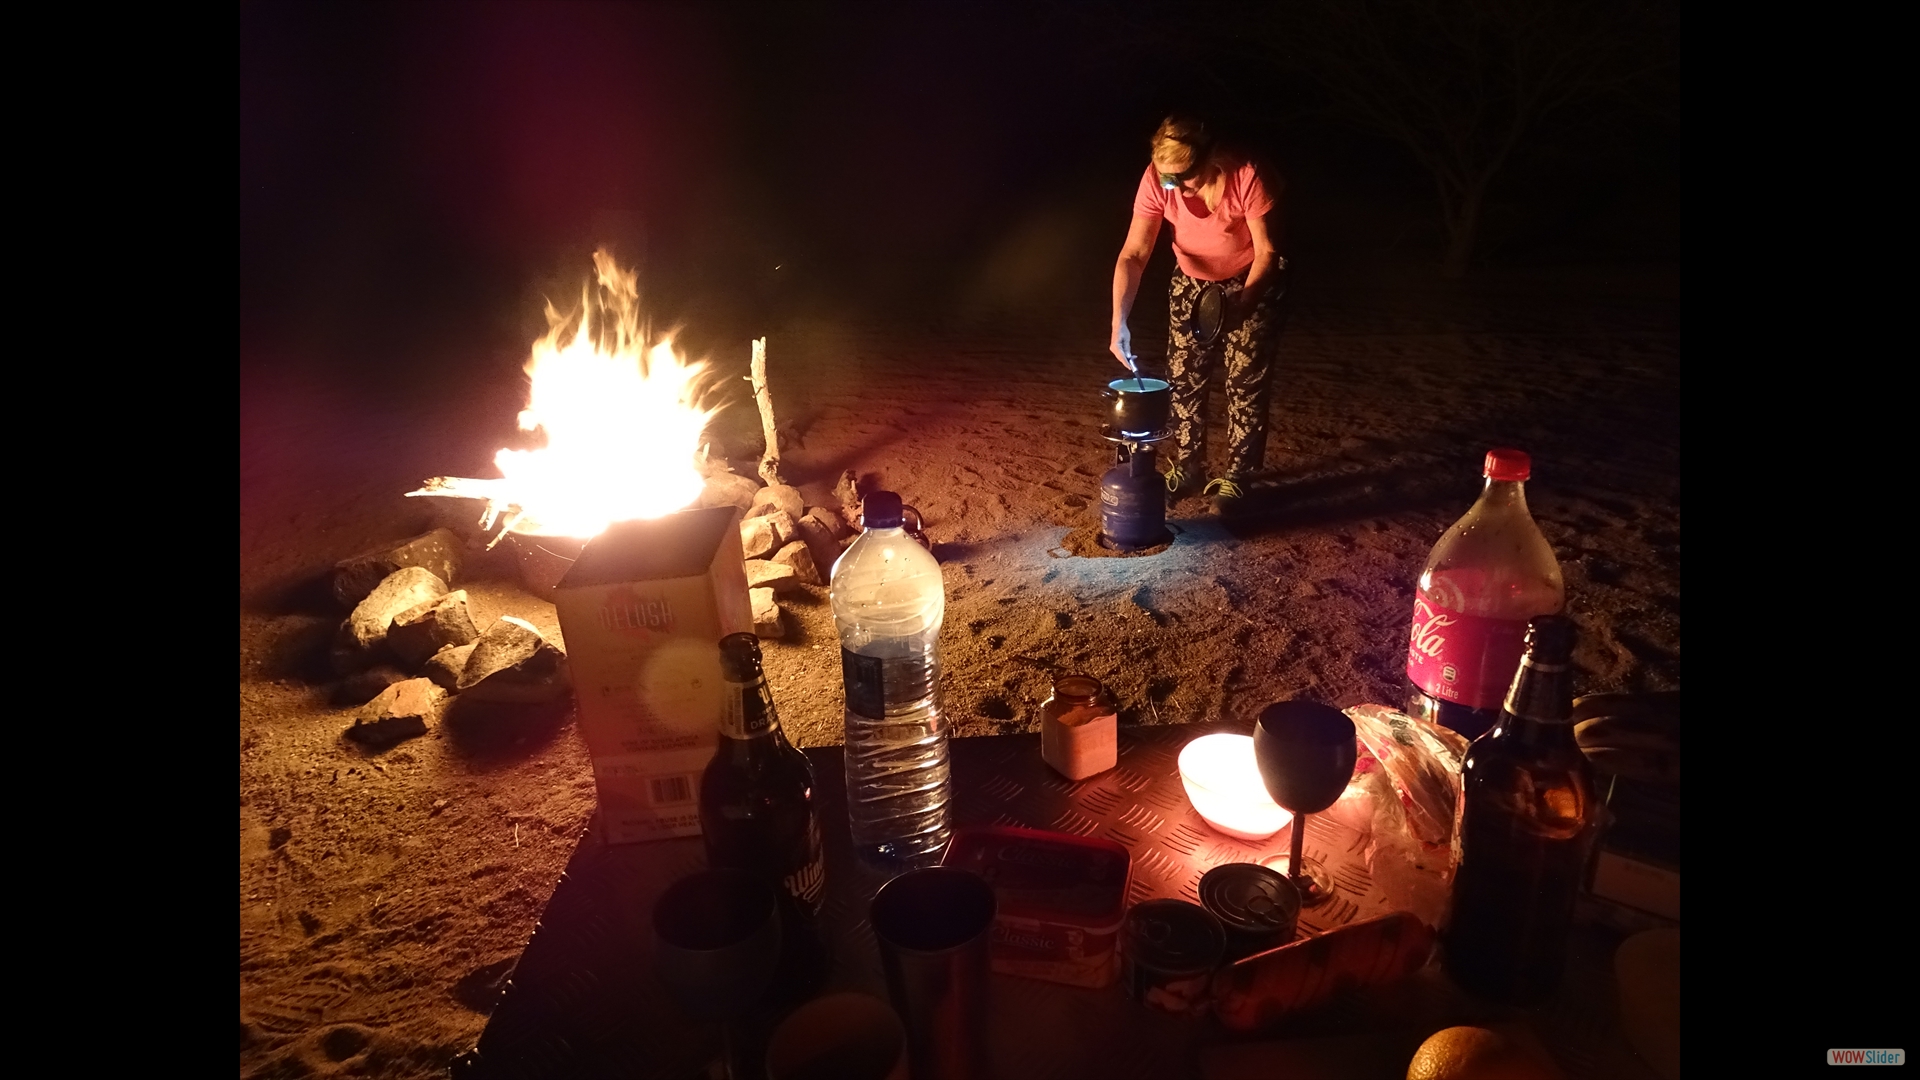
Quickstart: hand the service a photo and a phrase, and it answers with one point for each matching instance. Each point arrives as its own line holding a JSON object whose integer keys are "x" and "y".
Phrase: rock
{"x": 445, "y": 666}
{"x": 366, "y": 629}
{"x": 800, "y": 558}
{"x": 785, "y": 529}
{"x": 729, "y": 489}
{"x": 762, "y": 574}
{"x": 847, "y": 491}
{"x": 437, "y": 552}
{"x": 820, "y": 541}
{"x": 830, "y": 521}
{"x": 778, "y": 497}
{"x": 424, "y": 629}
{"x": 363, "y": 686}
{"x": 346, "y": 658}
{"x": 766, "y": 533}
{"x": 766, "y": 614}
{"x": 400, "y": 712}
{"x": 511, "y": 662}
{"x": 758, "y": 537}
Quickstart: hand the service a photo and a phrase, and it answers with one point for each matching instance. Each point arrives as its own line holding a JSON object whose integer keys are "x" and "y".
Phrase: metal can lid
{"x": 1249, "y": 898}
{"x": 1174, "y": 937}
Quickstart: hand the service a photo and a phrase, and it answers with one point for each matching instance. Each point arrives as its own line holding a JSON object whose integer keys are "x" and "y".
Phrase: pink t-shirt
{"x": 1209, "y": 245}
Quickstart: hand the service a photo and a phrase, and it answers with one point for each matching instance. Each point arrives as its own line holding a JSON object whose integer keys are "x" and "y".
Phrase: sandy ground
{"x": 384, "y": 896}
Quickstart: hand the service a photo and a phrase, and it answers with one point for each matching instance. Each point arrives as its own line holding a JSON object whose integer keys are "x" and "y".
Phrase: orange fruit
{"x": 1477, "y": 1053}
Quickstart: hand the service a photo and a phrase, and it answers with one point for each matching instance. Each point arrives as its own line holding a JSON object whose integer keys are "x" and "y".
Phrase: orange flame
{"x": 623, "y": 421}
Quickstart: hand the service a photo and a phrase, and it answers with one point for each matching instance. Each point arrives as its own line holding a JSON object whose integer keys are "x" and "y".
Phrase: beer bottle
{"x": 757, "y": 812}
{"x": 1526, "y": 822}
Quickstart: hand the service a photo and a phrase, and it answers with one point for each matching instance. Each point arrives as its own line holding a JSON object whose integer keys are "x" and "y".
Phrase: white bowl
{"x": 1223, "y": 783}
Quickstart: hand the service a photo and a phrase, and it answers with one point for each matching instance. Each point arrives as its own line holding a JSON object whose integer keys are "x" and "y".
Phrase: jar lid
{"x": 1506, "y": 463}
{"x": 1250, "y": 898}
{"x": 1174, "y": 937}
{"x": 1079, "y": 686}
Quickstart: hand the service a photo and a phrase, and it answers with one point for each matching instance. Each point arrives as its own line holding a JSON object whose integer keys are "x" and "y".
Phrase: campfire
{"x": 622, "y": 419}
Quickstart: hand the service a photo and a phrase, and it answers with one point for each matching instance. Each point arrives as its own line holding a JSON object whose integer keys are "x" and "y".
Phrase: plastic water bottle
{"x": 889, "y": 603}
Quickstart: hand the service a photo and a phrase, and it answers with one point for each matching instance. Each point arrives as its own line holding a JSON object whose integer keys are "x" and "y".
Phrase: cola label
{"x": 1466, "y": 659}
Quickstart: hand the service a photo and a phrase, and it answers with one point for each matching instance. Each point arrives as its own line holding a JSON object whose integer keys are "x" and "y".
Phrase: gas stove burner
{"x": 1141, "y": 438}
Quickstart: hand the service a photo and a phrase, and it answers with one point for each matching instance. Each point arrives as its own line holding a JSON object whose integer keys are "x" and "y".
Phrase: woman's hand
{"x": 1122, "y": 347}
{"x": 1237, "y": 308}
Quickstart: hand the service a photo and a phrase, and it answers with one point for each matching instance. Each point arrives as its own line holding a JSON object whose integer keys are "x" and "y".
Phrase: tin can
{"x": 1258, "y": 907}
{"x": 1168, "y": 951}
{"x": 1061, "y": 900}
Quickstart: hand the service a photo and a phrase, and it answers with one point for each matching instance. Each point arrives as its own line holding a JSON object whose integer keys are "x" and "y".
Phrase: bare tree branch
{"x": 1463, "y": 84}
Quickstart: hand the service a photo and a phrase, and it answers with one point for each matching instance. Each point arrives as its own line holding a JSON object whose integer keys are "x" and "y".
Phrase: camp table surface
{"x": 583, "y": 1002}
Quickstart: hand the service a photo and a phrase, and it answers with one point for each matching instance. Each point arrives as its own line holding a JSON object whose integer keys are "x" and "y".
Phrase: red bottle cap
{"x": 1506, "y": 463}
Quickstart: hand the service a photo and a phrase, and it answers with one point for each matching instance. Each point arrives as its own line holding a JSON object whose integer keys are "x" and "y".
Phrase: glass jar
{"x": 1079, "y": 728}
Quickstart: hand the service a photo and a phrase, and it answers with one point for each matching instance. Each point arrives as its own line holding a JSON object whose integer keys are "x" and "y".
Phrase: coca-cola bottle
{"x": 1489, "y": 574}
{"x": 1525, "y": 826}
{"x": 757, "y": 812}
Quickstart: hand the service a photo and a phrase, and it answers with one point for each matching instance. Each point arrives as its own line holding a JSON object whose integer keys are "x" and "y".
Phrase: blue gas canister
{"x": 1133, "y": 502}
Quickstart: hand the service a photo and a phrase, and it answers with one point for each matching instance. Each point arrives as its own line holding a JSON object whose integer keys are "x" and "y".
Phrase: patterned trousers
{"x": 1249, "y": 350}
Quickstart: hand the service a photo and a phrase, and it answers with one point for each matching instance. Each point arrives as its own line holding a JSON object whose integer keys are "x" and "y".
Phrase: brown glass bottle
{"x": 757, "y": 811}
{"x": 1526, "y": 824}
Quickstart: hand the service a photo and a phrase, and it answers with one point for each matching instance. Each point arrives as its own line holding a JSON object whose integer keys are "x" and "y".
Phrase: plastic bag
{"x": 1422, "y": 761}
{"x": 1410, "y": 875}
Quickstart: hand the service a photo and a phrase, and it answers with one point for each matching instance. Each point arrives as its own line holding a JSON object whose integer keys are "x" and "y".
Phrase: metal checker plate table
{"x": 582, "y": 1001}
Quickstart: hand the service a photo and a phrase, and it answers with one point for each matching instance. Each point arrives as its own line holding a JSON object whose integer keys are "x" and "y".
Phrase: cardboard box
{"x": 643, "y": 610}
{"x": 1638, "y": 864}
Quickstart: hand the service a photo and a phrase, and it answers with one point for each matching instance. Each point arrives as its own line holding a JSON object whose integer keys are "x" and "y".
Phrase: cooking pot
{"x": 1139, "y": 407}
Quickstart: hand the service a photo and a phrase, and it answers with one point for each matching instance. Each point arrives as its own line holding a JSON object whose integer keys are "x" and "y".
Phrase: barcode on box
{"x": 669, "y": 790}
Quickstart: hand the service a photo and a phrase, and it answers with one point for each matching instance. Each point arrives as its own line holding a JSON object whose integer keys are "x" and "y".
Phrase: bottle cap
{"x": 740, "y": 658}
{"x": 881, "y": 510}
{"x": 1506, "y": 463}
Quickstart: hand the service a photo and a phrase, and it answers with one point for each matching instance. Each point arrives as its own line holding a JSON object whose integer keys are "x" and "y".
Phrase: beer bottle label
{"x": 808, "y": 883}
{"x": 747, "y": 711}
{"x": 1466, "y": 659}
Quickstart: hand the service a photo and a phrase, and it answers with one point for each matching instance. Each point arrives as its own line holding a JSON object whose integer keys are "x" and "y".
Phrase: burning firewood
{"x": 619, "y": 419}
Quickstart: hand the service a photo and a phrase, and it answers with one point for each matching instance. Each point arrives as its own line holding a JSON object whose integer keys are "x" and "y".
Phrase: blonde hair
{"x": 1181, "y": 143}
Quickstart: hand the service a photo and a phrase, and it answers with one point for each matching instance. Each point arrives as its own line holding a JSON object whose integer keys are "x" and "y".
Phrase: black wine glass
{"x": 718, "y": 934}
{"x": 1306, "y": 754}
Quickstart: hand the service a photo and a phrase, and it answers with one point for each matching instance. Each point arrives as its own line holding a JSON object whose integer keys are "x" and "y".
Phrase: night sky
{"x": 436, "y": 159}
{"x": 415, "y": 178}
{"x": 405, "y": 169}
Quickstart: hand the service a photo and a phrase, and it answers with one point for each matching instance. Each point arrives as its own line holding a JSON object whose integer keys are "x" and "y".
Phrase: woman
{"x": 1218, "y": 204}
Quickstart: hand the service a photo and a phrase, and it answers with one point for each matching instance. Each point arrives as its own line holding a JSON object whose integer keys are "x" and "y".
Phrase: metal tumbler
{"x": 934, "y": 926}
